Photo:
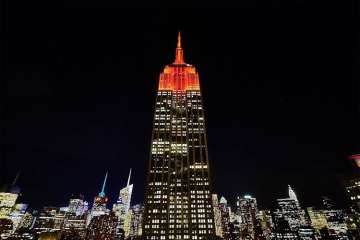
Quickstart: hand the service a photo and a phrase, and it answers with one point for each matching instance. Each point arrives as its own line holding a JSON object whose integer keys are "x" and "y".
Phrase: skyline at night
{"x": 280, "y": 98}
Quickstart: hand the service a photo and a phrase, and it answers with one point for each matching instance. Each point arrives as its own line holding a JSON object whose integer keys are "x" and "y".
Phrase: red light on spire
{"x": 179, "y": 75}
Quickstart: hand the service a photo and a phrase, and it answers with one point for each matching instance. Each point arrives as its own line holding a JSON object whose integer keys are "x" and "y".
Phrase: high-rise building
{"x": 217, "y": 216}
{"x": 266, "y": 223}
{"x": 247, "y": 210}
{"x": 317, "y": 219}
{"x": 51, "y": 219}
{"x": 100, "y": 201}
{"x": 7, "y": 202}
{"x": 133, "y": 222}
{"x": 27, "y": 221}
{"x": 74, "y": 226}
{"x": 17, "y": 214}
{"x": 291, "y": 211}
{"x": 122, "y": 205}
{"x": 178, "y": 194}
{"x": 336, "y": 223}
{"x": 227, "y": 224}
{"x": 77, "y": 206}
{"x": 102, "y": 227}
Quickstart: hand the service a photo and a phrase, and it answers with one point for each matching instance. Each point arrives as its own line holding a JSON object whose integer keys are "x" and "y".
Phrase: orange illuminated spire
{"x": 179, "y": 57}
{"x": 179, "y": 76}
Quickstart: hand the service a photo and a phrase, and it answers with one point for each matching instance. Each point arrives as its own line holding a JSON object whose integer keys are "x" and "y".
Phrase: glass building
{"x": 178, "y": 195}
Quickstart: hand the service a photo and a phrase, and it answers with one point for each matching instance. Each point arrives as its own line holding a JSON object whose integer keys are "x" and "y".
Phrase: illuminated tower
{"x": 178, "y": 199}
{"x": 292, "y": 194}
{"x": 247, "y": 210}
{"x": 122, "y": 205}
{"x": 100, "y": 201}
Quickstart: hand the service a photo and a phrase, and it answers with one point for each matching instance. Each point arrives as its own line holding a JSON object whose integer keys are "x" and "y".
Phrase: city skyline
{"x": 93, "y": 109}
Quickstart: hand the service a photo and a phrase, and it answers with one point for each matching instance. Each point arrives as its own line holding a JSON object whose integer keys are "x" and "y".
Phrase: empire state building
{"x": 178, "y": 194}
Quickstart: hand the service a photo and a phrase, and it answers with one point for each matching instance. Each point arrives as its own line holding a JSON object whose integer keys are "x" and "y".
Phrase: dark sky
{"x": 279, "y": 79}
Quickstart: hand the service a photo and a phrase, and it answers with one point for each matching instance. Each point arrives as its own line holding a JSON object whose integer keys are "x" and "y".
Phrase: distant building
{"x": 247, "y": 210}
{"x": 227, "y": 224}
{"x": 283, "y": 231}
{"x": 77, "y": 206}
{"x": 6, "y": 228}
{"x": 353, "y": 191}
{"x": 327, "y": 203}
{"x": 50, "y": 219}
{"x": 7, "y": 202}
{"x": 102, "y": 227}
{"x": 133, "y": 222}
{"x": 74, "y": 225}
{"x": 306, "y": 233}
{"x": 17, "y": 214}
{"x": 26, "y": 221}
{"x": 266, "y": 223}
{"x": 317, "y": 219}
{"x": 217, "y": 215}
{"x": 122, "y": 206}
{"x": 99, "y": 207}
{"x": 337, "y": 226}
{"x": 291, "y": 211}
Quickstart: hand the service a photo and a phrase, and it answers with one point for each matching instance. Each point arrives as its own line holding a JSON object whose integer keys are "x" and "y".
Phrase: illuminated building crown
{"x": 179, "y": 76}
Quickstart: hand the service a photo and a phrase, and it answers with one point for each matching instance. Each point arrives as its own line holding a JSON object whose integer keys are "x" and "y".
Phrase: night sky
{"x": 279, "y": 80}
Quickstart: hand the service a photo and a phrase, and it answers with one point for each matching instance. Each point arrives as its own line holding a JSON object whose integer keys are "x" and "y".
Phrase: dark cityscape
{"x": 176, "y": 121}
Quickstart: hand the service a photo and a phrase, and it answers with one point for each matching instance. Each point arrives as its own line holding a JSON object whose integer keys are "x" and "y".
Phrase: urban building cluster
{"x": 179, "y": 203}
{"x": 77, "y": 220}
{"x": 240, "y": 220}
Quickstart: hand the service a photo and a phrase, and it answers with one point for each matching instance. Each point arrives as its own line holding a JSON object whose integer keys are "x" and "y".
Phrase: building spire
{"x": 292, "y": 194}
{"x": 16, "y": 178}
{"x": 102, "y": 193}
{"x": 179, "y": 40}
{"x": 128, "y": 182}
{"x": 179, "y": 56}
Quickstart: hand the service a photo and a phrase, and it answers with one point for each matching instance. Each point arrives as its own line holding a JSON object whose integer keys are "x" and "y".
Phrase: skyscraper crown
{"x": 179, "y": 76}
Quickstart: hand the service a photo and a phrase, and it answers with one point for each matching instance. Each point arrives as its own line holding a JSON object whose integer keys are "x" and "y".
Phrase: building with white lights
{"x": 178, "y": 196}
{"x": 122, "y": 206}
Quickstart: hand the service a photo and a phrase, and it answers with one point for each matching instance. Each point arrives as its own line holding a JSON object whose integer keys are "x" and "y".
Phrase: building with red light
{"x": 100, "y": 201}
{"x": 178, "y": 195}
{"x": 355, "y": 160}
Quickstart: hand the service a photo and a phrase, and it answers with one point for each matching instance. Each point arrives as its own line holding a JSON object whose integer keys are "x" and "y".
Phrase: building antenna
{"x": 102, "y": 193}
{"x": 128, "y": 182}
{"x": 179, "y": 56}
{"x": 16, "y": 178}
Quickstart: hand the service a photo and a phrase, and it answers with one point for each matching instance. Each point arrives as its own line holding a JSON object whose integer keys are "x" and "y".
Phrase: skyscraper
{"x": 247, "y": 210}
{"x": 226, "y": 224}
{"x": 217, "y": 216}
{"x": 122, "y": 205}
{"x": 100, "y": 201}
{"x": 102, "y": 227}
{"x": 178, "y": 199}
{"x": 133, "y": 222}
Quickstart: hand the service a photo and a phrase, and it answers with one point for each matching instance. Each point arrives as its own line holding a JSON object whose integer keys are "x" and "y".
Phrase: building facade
{"x": 247, "y": 210}
{"x": 178, "y": 196}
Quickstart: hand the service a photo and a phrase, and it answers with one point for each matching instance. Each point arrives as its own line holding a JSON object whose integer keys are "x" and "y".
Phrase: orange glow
{"x": 179, "y": 75}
